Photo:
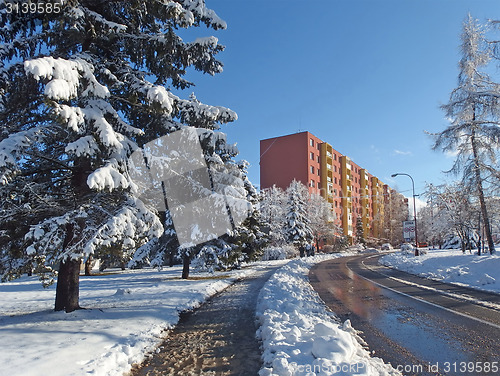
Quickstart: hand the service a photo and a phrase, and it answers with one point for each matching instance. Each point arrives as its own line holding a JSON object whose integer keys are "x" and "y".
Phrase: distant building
{"x": 351, "y": 190}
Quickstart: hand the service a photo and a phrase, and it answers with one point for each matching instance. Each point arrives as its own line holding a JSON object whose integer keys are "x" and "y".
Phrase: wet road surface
{"x": 415, "y": 328}
{"x": 216, "y": 339}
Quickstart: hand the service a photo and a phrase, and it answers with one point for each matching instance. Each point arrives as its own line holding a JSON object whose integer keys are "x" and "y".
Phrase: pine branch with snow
{"x": 297, "y": 225}
{"x": 81, "y": 91}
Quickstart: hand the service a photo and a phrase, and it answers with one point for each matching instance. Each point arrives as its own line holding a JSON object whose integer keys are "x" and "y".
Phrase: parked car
{"x": 386, "y": 247}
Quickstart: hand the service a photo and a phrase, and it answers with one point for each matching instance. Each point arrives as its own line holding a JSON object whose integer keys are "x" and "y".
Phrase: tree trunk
{"x": 185, "y": 266}
{"x": 88, "y": 265}
{"x": 68, "y": 278}
{"x": 479, "y": 234}
{"x": 482, "y": 202}
{"x": 68, "y": 286}
{"x": 171, "y": 258}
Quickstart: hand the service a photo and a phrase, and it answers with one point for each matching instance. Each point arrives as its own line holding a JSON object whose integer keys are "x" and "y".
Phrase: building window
{"x": 319, "y": 172}
{"x": 318, "y": 159}
{"x": 312, "y": 156}
{"x": 312, "y": 169}
{"x": 311, "y": 142}
{"x": 311, "y": 184}
{"x": 318, "y": 146}
{"x": 335, "y": 179}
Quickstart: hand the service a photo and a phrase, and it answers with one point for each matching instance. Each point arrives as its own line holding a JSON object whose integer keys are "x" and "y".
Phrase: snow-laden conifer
{"x": 81, "y": 90}
{"x": 297, "y": 225}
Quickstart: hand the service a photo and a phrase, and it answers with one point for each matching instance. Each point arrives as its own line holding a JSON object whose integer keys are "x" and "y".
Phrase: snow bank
{"x": 452, "y": 266}
{"x": 126, "y": 316}
{"x": 301, "y": 336}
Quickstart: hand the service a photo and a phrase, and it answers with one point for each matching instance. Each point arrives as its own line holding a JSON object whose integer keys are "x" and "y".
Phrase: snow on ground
{"x": 301, "y": 336}
{"x": 452, "y": 266}
{"x": 126, "y": 315}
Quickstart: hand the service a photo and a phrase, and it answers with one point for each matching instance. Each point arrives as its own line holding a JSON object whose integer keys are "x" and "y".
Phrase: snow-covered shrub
{"x": 213, "y": 257}
{"x": 339, "y": 244}
{"x": 407, "y": 249}
{"x": 452, "y": 242}
{"x": 279, "y": 253}
{"x": 356, "y": 248}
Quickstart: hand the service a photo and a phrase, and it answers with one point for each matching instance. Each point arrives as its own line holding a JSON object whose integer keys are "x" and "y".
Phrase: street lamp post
{"x": 414, "y": 208}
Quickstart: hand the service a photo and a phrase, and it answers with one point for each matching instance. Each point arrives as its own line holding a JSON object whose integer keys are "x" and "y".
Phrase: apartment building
{"x": 352, "y": 191}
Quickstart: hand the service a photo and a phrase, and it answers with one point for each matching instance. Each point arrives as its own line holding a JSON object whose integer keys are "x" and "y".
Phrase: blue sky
{"x": 366, "y": 76}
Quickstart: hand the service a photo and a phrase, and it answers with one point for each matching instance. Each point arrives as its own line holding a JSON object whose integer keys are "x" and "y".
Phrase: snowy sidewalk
{"x": 216, "y": 339}
{"x": 127, "y": 313}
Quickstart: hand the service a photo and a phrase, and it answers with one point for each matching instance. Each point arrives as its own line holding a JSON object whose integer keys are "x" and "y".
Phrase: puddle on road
{"x": 399, "y": 319}
{"x": 421, "y": 335}
{"x": 404, "y": 331}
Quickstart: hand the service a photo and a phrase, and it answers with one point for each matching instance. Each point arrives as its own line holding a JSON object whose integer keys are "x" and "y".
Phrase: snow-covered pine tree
{"x": 82, "y": 86}
{"x": 158, "y": 251}
{"x": 246, "y": 241}
{"x": 250, "y": 238}
{"x": 297, "y": 228}
{"x": 360, "y": 236}
{"x": 205, "y": 204}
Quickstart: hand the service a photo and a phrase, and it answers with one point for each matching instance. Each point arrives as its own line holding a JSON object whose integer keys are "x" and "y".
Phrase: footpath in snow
{"x": 301, "y": 336}
{"x": 451, "y": 266}
{"x": 127, "y": 313}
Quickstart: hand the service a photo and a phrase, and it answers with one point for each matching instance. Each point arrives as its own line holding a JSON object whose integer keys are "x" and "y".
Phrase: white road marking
{"x": 425, "y": 301}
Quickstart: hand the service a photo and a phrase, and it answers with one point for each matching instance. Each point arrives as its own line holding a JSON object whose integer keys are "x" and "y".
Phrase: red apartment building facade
{"x": 351, "y": 190}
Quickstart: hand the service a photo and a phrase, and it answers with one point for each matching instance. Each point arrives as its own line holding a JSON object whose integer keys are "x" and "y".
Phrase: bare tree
{"x": 452, "y": 212}
{"x": 474, "y": 114}
{"x": 320, "y": 214}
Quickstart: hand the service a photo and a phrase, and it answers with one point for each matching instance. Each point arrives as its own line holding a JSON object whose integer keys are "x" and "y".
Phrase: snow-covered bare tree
{"x": 451, "y": 216}
{"x": 273, "y": 213}
{"x": 83, "y": 86}
{"x": 474, "y": 113}
{"x": 297, "y": 226}
{"x": 434, "y": 219}
{"x": 395, "y": 212}
{"x": 320, "y": 215}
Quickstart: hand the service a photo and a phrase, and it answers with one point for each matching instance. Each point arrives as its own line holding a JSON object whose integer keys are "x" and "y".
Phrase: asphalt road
{"x": 420, "y": 326}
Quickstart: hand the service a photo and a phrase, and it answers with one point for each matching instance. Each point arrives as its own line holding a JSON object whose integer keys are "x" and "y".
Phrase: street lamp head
{"x": 394, "y": 175}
